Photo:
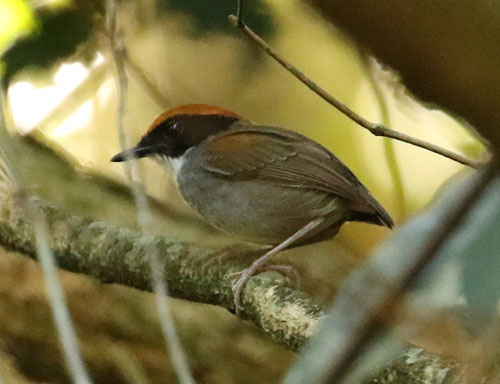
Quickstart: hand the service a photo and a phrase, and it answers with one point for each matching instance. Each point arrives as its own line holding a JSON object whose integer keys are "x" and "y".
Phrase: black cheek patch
{"x": 193, "y": 129}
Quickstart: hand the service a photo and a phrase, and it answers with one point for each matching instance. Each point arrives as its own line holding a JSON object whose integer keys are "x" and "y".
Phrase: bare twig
{"x": 239, "y": 14}
{"x": 57, "y": 300}
{"x": 375, "y": 128}
{"x": 421, "y": 256}
{"x": 179, "y": 360}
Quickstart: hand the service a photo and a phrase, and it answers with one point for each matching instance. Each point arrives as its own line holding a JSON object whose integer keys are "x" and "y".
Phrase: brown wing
{"x": 289, "y": 159}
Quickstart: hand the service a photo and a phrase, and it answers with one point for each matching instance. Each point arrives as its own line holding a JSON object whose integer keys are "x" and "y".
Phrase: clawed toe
{"x": 239, "y": 285}
{"x": 261, "y": 264}
{"x": 244, "y": 275}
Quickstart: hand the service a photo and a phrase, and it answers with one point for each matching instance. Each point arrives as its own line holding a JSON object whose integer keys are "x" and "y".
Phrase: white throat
{"x": 176, "y": 164}
{"x": 173, "y": 165}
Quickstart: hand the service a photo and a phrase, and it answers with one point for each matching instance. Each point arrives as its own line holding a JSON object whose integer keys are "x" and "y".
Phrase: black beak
{"x": 132, "y": 153}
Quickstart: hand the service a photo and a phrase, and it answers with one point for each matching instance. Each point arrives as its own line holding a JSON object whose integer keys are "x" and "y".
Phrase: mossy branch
{"x": 415, "y": 366}
{"x": 118, "y": 255}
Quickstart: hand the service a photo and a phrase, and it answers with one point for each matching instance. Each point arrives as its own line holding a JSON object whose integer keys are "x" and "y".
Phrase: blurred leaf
{"x": 15, "y": 18}
{"x": 474, "y": 247}
{"x": 209, "y": 16}
{"x": 58, "y": 35}
{"x": 475, "y": 251}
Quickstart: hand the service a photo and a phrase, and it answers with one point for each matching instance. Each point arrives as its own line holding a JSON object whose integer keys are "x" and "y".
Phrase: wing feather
{"x": 286, "y": 158}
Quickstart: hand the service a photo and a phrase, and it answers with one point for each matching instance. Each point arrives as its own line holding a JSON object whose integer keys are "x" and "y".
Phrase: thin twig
{"x": 58, "y": 304}
{"x": 375, "y": 128}
{"x": 421, "y": 256}
{"x": 390, "y": 153}
{"x": 239, "y": 13}
{"x": 179, "y": 360}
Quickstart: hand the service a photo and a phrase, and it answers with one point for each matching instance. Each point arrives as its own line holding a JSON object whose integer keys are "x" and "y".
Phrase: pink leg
{"x": 260, "y": 263}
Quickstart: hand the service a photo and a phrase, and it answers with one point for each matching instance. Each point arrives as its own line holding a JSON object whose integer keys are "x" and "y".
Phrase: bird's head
{"x": 178, "y": 129}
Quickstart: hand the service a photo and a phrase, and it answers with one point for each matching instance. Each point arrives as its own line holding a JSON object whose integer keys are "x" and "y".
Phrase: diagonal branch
{"x": 118, "y": 255}
{"x": 375, "y": 128}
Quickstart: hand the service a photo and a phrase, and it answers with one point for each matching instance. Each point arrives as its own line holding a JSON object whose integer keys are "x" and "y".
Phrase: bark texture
{"x": 118, "y": 255}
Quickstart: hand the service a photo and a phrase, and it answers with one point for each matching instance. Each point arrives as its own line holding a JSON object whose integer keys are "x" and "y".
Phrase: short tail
{"x": 370, "y": 211}
{"x": 379, "y": 217}
{"x": 376, "y": 214}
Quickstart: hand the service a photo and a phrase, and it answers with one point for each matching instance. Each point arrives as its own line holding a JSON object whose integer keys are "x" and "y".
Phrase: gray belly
{"x": 258, "y": 212}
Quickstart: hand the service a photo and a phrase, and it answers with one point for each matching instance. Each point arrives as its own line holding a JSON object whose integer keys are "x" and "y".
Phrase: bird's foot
{"x": 257, "y": 267}
{"x": 262, "y": 262}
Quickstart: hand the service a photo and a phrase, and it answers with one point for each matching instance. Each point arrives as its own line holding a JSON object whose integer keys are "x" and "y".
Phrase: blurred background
{"x": 59, "y": 77}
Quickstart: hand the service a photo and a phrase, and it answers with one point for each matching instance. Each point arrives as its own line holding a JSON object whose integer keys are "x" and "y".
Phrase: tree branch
{"x": 374, "y": 128}
{"x": 118, "y": 255}
{"x": 415, "y": 366}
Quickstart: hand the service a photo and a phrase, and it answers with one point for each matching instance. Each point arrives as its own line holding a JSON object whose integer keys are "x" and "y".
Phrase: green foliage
{"x": 60, "y": 32}
{"x": 16, "y": 18}
{"x": 473, "y": 252}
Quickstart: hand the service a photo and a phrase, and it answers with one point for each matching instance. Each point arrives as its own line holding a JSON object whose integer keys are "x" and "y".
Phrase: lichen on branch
{"x": 118, "y": 255}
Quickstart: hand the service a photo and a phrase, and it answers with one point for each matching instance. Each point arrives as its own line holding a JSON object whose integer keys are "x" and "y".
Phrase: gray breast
{"x": 255, "y": 211}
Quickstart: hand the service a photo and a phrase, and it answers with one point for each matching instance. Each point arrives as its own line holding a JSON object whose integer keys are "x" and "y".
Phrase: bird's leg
{"x": 286, "y": 270}
{"x": 260, "y": 264}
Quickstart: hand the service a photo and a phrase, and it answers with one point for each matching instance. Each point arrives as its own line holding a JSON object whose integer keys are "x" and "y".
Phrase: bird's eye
{"x": 173, "y": 129}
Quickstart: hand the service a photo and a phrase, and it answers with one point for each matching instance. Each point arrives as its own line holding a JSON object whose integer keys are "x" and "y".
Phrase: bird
{"x": 264, "y": 184}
